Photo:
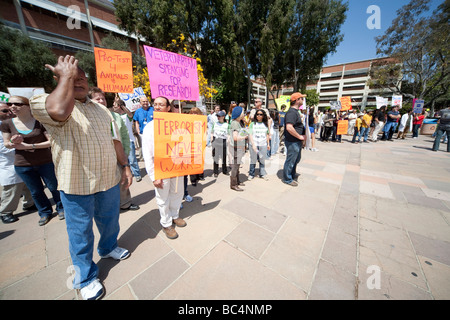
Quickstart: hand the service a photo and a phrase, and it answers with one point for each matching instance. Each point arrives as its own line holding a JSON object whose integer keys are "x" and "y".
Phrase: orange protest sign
{"x": 180, "y": 141}
{"x": 346, "y": 103}
{"x": 342, "y": 127}
{"x": 114, "y": 70}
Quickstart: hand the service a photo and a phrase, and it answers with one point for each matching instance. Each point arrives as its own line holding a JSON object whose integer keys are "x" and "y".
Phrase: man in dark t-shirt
{"x": 391, "y": 123}
{"x": 294, "y": 136}
{"x": 443, "y": 129}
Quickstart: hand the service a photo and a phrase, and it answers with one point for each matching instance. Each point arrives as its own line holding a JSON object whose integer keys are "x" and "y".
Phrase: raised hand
{"x": 66, "y": 67}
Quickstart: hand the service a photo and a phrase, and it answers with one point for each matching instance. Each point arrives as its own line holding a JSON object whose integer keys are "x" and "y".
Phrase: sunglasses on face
{"x": 18, "y": 104}
{"x": 6, "y": 111}
{"x": 259, "y": 114}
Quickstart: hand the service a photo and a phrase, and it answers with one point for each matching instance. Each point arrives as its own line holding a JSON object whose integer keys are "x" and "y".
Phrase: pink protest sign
{"x": 172, "y": 75}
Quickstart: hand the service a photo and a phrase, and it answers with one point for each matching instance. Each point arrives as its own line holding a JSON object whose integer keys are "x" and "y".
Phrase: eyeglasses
{"x": 18, "y": 104}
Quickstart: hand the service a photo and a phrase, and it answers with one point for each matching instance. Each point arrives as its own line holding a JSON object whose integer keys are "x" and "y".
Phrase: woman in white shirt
{"x": 259, "y": 138}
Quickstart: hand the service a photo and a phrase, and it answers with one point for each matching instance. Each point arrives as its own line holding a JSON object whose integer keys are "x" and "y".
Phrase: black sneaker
{"x": 9, "y": 218}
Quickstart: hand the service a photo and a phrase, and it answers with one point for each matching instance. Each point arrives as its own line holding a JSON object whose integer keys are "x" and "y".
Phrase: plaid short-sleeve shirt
{"x": 82, "y": 146}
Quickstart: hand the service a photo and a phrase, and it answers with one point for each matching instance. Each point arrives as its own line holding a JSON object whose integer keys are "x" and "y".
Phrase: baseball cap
{"x": 297, "y": 95}
{"x": 221, "y": 113}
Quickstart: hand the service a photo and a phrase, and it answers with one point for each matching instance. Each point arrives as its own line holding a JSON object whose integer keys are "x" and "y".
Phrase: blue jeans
{"x": 388, "y": 127}
{"x": 293, "y": 156}
{"x": 80, "y": 211}
{"x": 275, "y": 142}
{"x": 32, "y": 178}
{"x": 133, "y": 160}
{"x": 260, "y": 157}
{"x": 363, "y": 133}
{"x": 439, "y": 133}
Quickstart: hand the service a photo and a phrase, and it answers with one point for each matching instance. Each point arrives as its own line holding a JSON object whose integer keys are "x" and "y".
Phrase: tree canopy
{"x": 280, "y": 40}
{"x": 419, "y": 44}
{"x": 23, "y": 61}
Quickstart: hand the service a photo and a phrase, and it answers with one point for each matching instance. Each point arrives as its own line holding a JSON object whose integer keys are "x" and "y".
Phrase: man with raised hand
{"x": 86, "y": 150}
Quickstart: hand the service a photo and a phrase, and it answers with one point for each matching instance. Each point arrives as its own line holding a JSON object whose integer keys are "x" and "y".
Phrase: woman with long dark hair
{"x": 33, "y": 160}
{"x": 259, "y": 138}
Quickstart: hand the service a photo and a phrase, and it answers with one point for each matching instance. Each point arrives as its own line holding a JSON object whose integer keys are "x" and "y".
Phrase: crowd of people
{"x": 85, "y": 152}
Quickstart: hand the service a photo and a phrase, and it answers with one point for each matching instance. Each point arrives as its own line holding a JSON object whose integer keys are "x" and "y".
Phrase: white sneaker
{"x": 117, "y": 254}
{"x": 92, "y": 291}
{"x": 188, "y": 198}
{"x": 250, "y": 177}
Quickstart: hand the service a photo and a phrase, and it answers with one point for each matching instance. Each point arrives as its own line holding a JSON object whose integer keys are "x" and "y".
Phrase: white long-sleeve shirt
{"x": 148, "y": 149}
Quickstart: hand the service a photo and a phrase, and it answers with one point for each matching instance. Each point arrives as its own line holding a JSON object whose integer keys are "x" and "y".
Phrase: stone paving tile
{"x": 341, "y": 249}
{"x": 47, "y": 283}
{"x": 332, "y": 283}
{"x": 436, "y": 194}
{"x": 435, "y": 249}
{"x": 236, "y": 275}
{"x": 151, "y": 283}
{"x": 437, "y": 277}
{"x": 251, "y": 238}
{"x": 22, "y": 262}
{"x": 264, "y": 217}
{"x": 405, "y": 269}
{"x": 376, "y": 189}
{"x": 424, "y": 201}
{"x": 375, "y": 284}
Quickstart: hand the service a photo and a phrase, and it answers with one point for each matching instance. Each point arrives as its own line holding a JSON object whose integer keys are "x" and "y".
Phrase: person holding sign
{"x": 168, "y": 192}
{"x": 86, "y": 151}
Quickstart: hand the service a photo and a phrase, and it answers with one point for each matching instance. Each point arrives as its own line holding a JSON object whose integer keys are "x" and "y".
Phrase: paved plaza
{"x": 367, "y": 221}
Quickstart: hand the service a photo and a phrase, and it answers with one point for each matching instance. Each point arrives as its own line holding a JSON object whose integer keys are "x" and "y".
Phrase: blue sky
{"x": 359, "y": 41}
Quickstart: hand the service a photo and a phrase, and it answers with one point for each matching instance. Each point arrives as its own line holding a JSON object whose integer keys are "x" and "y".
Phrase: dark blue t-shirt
{"x": 394, "y": 113}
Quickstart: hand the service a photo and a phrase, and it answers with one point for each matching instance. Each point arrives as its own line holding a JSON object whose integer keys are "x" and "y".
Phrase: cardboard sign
{"x": 342, "y": 127}
{"x": 335, "y": 105}
{"x": 381, "y": 102}
{"x": 418, "y": 105}
{"x": 346, "y": 103}
{"x": 133, "y": 100}
{"x": 397, "y": 101}
{"x": 180, "y": 141}
{"x": 114, "y": 70}
{"x": 172, "y": 75}
{"x": 286, "y": 100}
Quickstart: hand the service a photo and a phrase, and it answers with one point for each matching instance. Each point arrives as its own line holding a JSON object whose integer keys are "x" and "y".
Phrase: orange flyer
{"x": 114, "y": 70}
{"x": 180, "y": 141}
{"x": 342, "y": 127}
{"x": 346, "y": 103}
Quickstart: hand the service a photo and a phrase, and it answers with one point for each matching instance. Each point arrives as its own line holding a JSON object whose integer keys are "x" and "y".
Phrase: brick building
{"x": 349, "y": 79}
{"x": 66, "y": 25}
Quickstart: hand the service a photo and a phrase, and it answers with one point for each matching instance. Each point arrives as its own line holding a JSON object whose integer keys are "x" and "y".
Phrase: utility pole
{"x": 91, "y": 34}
